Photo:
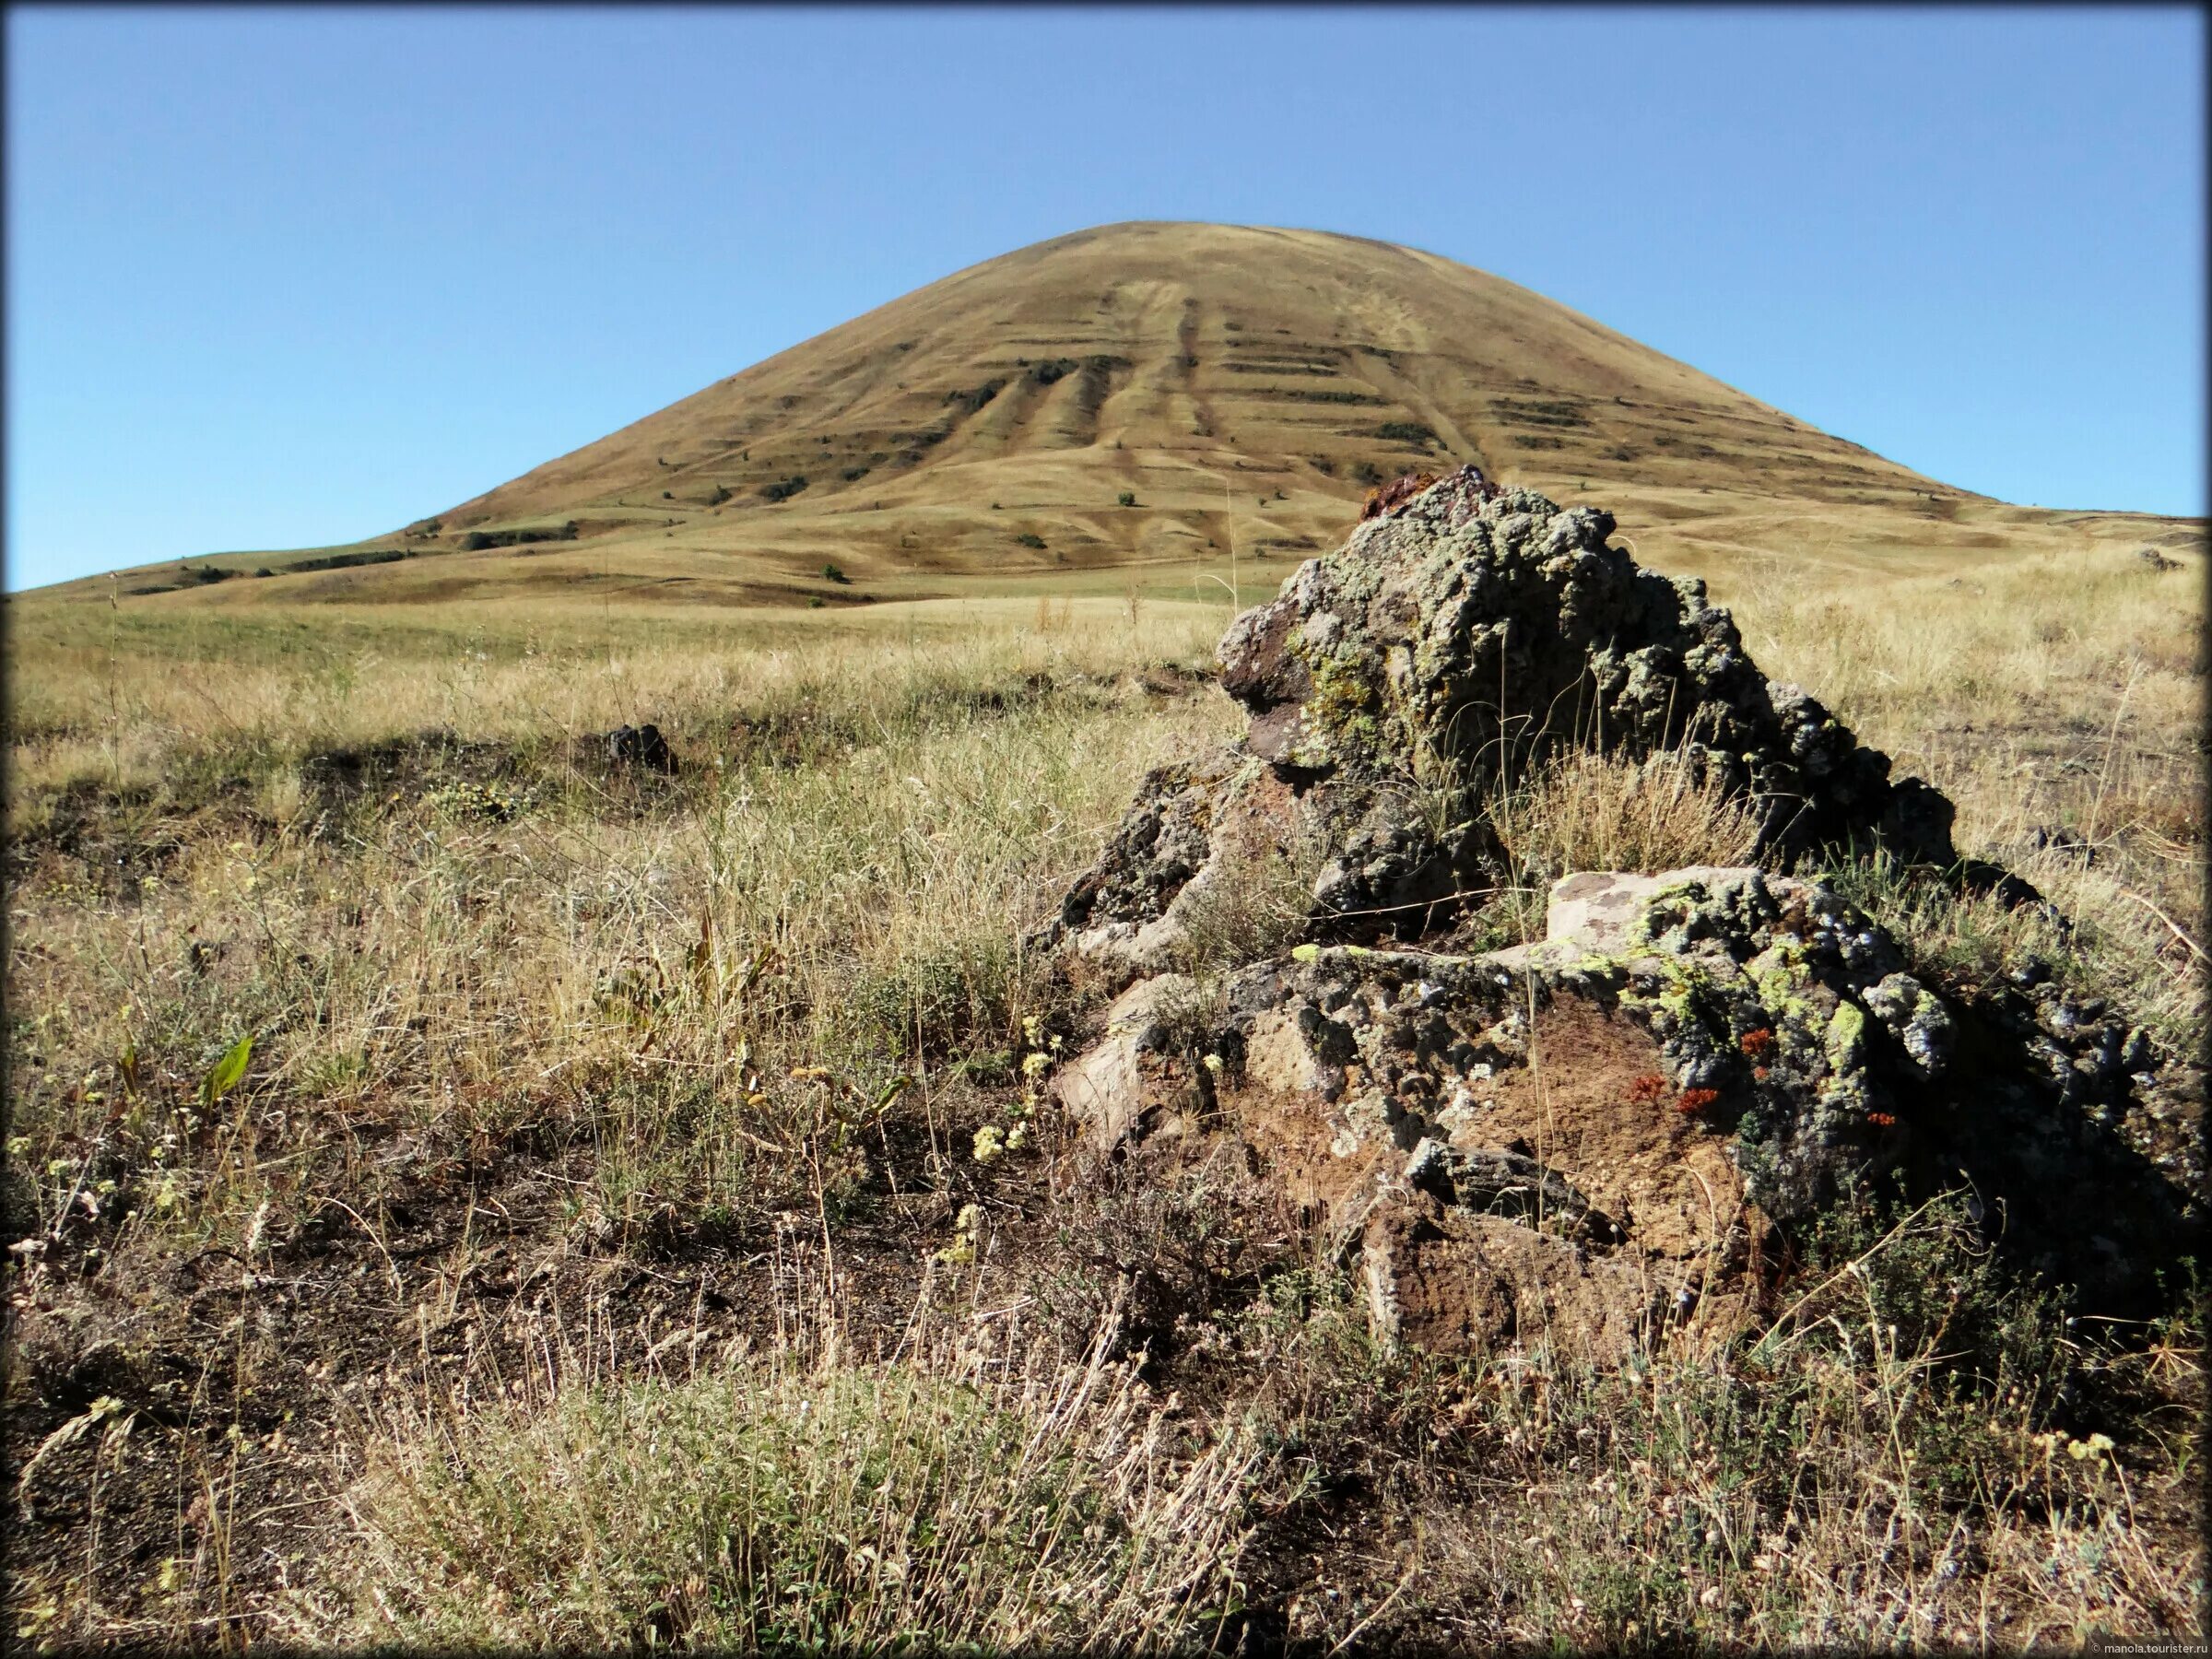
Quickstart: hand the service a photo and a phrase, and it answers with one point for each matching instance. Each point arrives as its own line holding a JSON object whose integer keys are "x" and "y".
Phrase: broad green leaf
{"x": 223, "y": 1076}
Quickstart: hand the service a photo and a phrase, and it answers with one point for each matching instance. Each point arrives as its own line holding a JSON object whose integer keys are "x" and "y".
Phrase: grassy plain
{"x": 595, "y": 1249}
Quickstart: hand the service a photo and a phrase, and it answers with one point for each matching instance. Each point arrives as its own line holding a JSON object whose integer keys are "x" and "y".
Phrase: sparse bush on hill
{"x": 970, "y": 402}
{"x": 830, "y": 572}
{"x": 784, "y": 489}
{"x": 1406, "y": 431}
{"x": 1126, "y": 498}
{"x": 200, "y": 574}
{"x": 475, "y": 541}
{"x": 342, "y": 562}
{"x": 1028, "y": 538}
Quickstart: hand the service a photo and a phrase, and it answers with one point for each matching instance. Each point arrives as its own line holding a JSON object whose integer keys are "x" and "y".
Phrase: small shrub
{"x": 482, "y": 801}
{"x": 1029, "y": 539}
{"x": 786, "y": 488}
{"x": 1126, "y": 498}
{"x": 831, "y": 574}
{"x": 767, "y": 1506}
{"x": 933, "y": 999}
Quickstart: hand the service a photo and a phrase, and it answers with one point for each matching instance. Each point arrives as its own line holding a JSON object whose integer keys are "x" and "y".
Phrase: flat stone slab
{"x": 1595, "y": 908}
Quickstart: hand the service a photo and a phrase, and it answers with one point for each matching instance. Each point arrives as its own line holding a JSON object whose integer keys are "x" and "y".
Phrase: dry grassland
{"x": 595, "y": 1246}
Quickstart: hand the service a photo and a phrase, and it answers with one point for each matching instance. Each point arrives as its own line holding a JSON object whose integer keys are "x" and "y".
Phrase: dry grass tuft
{"x": 1588, "y": 811}
{"x": 973, "y": 1492}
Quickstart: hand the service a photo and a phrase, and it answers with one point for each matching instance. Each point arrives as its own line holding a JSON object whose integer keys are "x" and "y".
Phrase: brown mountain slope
{"x": 1180, "y": 363}
{"x": 1242, "y": 386}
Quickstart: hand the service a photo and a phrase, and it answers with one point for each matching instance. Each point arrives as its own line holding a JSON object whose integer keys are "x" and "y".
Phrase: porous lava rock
{"x": 1460, "y": 635}
{"x": 1594, "y": 1136}
{"x": 642, "y": 747}
{"x": 1650, "y": 1092}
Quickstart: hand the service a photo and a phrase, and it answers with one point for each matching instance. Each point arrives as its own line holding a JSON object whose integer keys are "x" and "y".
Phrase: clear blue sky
{"x": 279, "y": 277}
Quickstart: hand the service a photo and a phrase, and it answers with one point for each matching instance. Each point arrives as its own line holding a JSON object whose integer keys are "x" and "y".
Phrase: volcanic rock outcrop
{"x": 1462, "y": 634}
{"x": 1597, "y": 1134}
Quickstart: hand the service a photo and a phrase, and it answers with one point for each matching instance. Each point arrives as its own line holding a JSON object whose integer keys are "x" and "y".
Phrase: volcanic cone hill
{"x": 1152, "y": 394}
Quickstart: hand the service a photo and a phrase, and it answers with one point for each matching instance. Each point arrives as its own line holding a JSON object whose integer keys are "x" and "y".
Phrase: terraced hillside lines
{"x": 985, "y": 428}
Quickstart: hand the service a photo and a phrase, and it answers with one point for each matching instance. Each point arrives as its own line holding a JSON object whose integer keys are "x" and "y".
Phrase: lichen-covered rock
{"x": 1194, "y": 830}
{"x": 1589, "y": 1137}
{"x": 1470, "y": 632}
{"x": 1460, "y": 635}
{"x": 1132, "y": 1079}
{"x": 1663, "y": 1079}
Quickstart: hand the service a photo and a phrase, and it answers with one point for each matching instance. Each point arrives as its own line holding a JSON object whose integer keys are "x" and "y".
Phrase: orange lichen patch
{"x": 1758, "y": 1044}
{"x": 1881, "y": 1120}
{"x": 1647, "y": 1091}
{"x": 1695, "y": 1101}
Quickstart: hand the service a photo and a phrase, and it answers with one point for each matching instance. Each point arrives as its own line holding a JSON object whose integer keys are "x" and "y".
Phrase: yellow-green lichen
{"x": 1339, "y": 714}
{"x": 1846, "y": 1038}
